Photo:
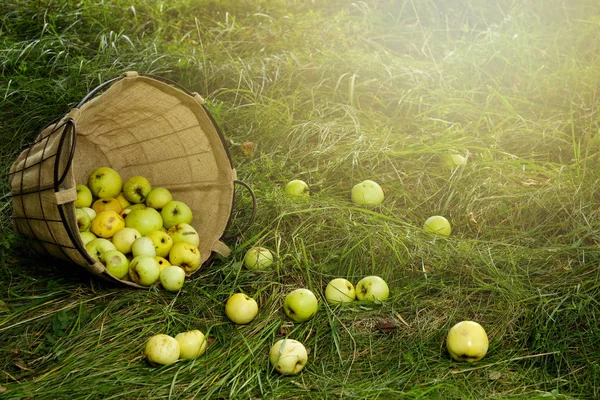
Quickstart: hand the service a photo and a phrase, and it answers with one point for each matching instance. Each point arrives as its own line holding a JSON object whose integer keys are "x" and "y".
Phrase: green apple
{"x": 241, "y": 309}
{"x": 288, "y": 356}
{"x": 162, "y": 242}
{"x": 300, "y": 305}
{"x": 84, "y": 196}
{"x": 144, "y": 270}
{"x": 158, "y": 198}
{"x": 176, "y": 212}
{"x": 192, "y": 344}
{"x": 454, "y": 159}
{"x": 339, "y": 290}
{"x": 143, "y": 246}
{"x": 162, "y": 349}
{"x": 185, "y": 255}
{"x": 437, "y": 225}
{"x": 367, "y": 193}
{"x": 116, "y": 263}
{"x": 107, "y": 223}
{"x": 296, "y": 187}
{"x": 184, "y": 233}
{"x": 90, "y": 211}
{"x": 372, "y": 288}
{"x": 139, "y": 206}
{"x": 172, "y": 278}
{"x": 136, "y": 189}
{"x": 105, "y": 182}
{"x": 123, "y": 200}
{"x": 258, "y": 258}
{"x": 124, "y": 238}
{"x": 87, "y": 237}
{"x": 83, "y": 220}
{"x": 144, "y": 220}
{"x": 467, "y": 341}
{"x": 96, "y": 247}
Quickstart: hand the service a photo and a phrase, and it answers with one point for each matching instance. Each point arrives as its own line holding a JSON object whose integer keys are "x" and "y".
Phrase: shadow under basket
{"x": 138, "y": 125}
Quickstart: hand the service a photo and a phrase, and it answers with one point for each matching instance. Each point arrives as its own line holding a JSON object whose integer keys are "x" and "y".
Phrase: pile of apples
{"x": 139, "y": 233}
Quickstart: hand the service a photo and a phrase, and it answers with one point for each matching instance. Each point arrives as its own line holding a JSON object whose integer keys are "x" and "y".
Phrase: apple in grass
{"x": 84, "y": 196}
{"x": 183, "y": 232}
{"x": 240, "y": 308}
{"x": 107, "y": 223}
{"x": 300, "y": 305}
{"x": 176, "y": 212}
{"x": 297, "y": 188}
{"x": 437, "y": 225}
{"x": 115, "y": 263}
{"x": 172, "y": 278}
{"x": 340, "y": 290}
{"x": 143, "y": 246}
{"x": 467, "y": 341}
{"x": 158, "y": 198}
{"x": 288, "y": 356}
{"x": 192, "y": 344}
{"x": 372, "y": 288}
{"x": 136, "y": 188}
{"x": 96, "y": 247}
{"x": 367, "y": 193}
{"x": 162, "y": 349}
{"x": 83, "y": 220}
{"x": 144, "y": 220}
{"x": 144, "y": 270}
{"x": 105, "y": 182}
{"x": 109, "y": 203}
{"x": 258, "y": 258}
{"x": 186, "y": 256}
{"x": 124, "y": 238}
{"x": 162, "y": 242}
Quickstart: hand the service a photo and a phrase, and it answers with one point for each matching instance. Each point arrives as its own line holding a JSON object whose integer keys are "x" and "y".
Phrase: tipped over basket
{"x": 138, "y": 125}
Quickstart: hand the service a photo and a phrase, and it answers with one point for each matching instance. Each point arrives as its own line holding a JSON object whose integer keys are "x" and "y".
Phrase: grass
{"x": 333, "y": 93}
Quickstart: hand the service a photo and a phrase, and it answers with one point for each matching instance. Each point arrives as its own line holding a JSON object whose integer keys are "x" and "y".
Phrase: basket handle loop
{"x": 252, "y": 216}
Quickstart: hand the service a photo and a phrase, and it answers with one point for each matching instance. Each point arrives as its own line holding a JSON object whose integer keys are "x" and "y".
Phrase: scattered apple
{"x": 339, "y": 290}
{"x": 288, "y": 356}
{"x": 192, "y": 344}
{"x": 136, "y": 188}
{"x": 116, "y": 263}
{"x": 84, "y": 196}
{"x": 367, "y": 193}
{"x": 96, "y": 247}
{"x": 454, "y": 159}
{"x": 124, "y": 238}
{"x": 240, "y": 308}
{"x": 176, "y": 212}
{"x": 144, "y": 220}
{"x": 183, "y": 232}
{"x": 258, "y": 258}
{"x": 83, "y": 220}
{"x": 297, "y": 188}
{"x": 467, "y": 341}
{"x": 143, "y": 246}
{"x": 162, "y": 349}
{"x": 185, "y": 255}
{"x": 162, "y": 242}
{"x": 158, "y": 198}
{"x": 372, "y": 288}
{"x": 105, "y": 182}
{"x": 300, "y": 305}
{"x": 144, "y": 270}
{"x": 437, "y": 225}
{"x": 172, "y": 278}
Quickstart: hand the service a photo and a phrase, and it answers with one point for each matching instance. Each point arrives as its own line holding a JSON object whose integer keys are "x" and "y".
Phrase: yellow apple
{"x": 162, "y": 242}
{"x": 241, "y": 309}
{"x": 109, "y": 203}
{"x": 107, "y": 223}
{"x": 191, "y": 344}
{"x": 162, "y": 349}
{"x": 467, "y": 341}
{"x": 288, "y": 356}
{"x": 186, "y": 256}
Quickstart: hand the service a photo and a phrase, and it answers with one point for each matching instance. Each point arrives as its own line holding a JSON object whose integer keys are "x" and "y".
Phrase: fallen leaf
{"x": 386, "y": 325}
{"x": 247, "y": 148}
{"x": 472, "y": 219}
{"x": 495, "y": 375}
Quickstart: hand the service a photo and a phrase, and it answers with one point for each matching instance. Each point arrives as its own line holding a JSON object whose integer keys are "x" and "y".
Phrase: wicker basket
{"x": 139, "y": 125}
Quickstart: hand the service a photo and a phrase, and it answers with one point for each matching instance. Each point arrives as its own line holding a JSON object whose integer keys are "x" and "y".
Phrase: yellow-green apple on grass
{"x": 124, "y": 238}
{"x": 144, "y": 220}
{"x": 136, "y": 188}
{"x": 367, "y": 193}
{"x": 453, "y": 159}
{"x": 340, "y": 290}
{"x": 467, "y": 341}
{"x": 176, "y": 212}
{"x": 186, "y": 256}
{"x": 183, "y": 232}
{"x": 162, "y": 242}
{"x": 162, "y": 349}
{"x": 288, "y": 356}
{"x": 105, "y": 182}
{"x": 192, "y": 344}
{"x": 296, "y": 187}
{"x": 258, "y": 258}
{"x": 107, "y": 223}
{"x": 109, "y": 203}
{"x": 240, "y": 308}
{"x": 372, "y": 288}
{"x": 172, "y": 278}
{"x": 96, "y": 247}
{"x": 158, "y": 198}
{"x": 437, "y": 225}
{"x": 83, "y": 220}
{"x": 115, "y": 263}
{"x": 144, "y": 270}
{"x": 143, "y": 246}
{"x": 300, "y": 305}
{"x": 84, "y": 196}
